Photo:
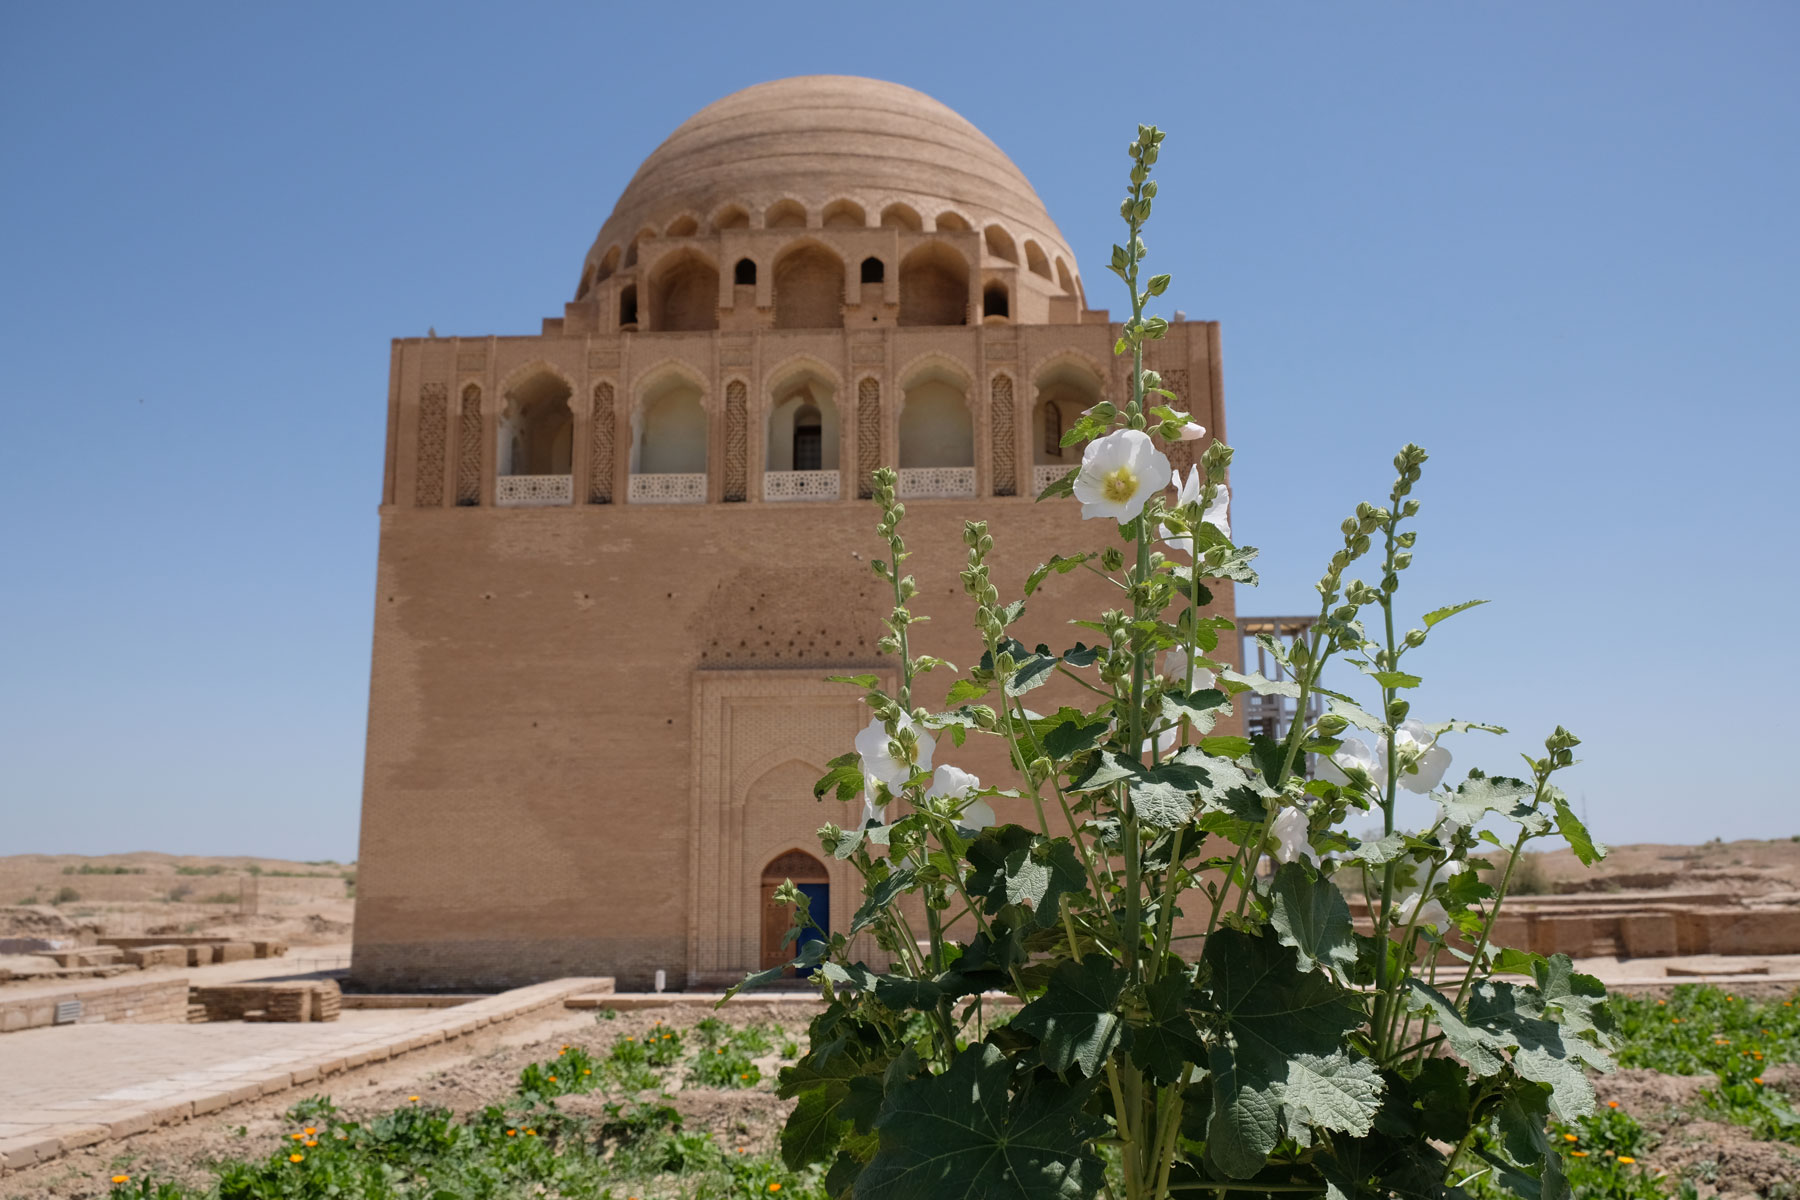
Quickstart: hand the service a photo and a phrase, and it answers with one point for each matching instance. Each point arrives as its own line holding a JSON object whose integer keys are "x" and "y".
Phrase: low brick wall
{"x": 312, "y": 1000}
{"x": 160, "y": 1001}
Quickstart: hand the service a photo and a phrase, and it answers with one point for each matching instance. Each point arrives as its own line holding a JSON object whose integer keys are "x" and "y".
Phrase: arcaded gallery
{"x": 619, "y": 557}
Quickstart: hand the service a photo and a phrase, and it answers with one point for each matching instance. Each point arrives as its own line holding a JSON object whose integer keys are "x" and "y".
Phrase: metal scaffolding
{"x": 1272, "y": 716}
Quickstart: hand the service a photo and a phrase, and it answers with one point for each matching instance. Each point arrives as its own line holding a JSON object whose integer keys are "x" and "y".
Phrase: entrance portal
{"x": 808, "y": 874}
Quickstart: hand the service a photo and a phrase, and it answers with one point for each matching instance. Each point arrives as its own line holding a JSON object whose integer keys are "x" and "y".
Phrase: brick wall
{"x": 136, "y": 1002}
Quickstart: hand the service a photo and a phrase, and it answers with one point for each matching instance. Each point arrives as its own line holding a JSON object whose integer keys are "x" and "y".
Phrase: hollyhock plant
{"x": 1119, "y": 474}
{"x": 1197, "y": 1010}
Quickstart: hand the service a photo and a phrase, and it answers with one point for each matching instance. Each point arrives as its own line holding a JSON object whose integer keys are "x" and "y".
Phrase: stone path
{"x": 70, "y": 1086}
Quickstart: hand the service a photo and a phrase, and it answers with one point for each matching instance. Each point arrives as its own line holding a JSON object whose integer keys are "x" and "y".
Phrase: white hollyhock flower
{"x": 1355, "y": 753}
{"x": 1175, "y": 668}
{"x": 979, "y": 815}
{"x": 1447, "y": 827}
{"x": 1415, "y": 908}
{"x": 954, "y": 783}
{"x": 1289, "y": 830}
{"x": 1119, "y": 473}
{"x": 1188, "y": 490}
{"x": 1191, "y": 431}
{"x": 877, "y": 751}
{"x": 1421, "y": 760}
{"x": 1218, "y": 513}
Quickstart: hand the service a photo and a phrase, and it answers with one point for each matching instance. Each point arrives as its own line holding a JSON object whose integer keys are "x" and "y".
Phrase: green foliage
{"x": 1188, "y": 1020}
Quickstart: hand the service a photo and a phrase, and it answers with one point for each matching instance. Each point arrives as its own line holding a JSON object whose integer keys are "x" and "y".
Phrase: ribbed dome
{"x": 816, "y": 139}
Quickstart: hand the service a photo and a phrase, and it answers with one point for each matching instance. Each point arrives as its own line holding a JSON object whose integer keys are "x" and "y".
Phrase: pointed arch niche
{"x": 668, "y": 441}
{"x": 1065, "y": 387}
{"x": 761, "y": 738}
{"x": 536, "y": 443}
{"x": 937, "y": 432}
{"x": 801, "y": 436}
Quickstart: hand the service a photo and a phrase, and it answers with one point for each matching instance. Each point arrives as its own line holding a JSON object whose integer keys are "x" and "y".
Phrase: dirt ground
{"x": 1723, "y": 1160}
{"x": 464, "y": 1078}
{"x": 1747, "y": 868}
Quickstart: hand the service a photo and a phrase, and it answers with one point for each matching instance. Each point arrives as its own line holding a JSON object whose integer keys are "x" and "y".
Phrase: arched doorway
{"x": 808, "y": 874}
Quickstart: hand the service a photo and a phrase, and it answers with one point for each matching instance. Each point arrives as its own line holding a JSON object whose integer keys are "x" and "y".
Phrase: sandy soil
{"x": 464, "y": 1079}
{"x": 1748, "y": 868}
{"x": 1723, "y": 1160}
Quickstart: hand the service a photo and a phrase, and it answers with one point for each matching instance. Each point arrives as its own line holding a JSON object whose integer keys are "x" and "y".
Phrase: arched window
{"x": 935, "y": 427}
{"x": 844, "y": 214}
{"x": 995, "y": 304}
{"x": 668, "y": 434}
{"x": 682, "y": 226}
{"x": 802, "y": 424}
{"x": 953, "y": 222}
{"x": 1000, "y": 244}
{"x": 684, "y": 294}
{"x": 809, "y": 289}
{"x": 628, "y": 315}
{"x": 536, "y": 441}
{"x": 1035, "y": 260}
{"x": 744, "y": 274}
{"x": 873, "y": 271}
{"x": 731, "y": 217}
{"x": 934, "y": 286}
{"x": 1063, "y": 278}
{"x": 785, "y": 214}
{"x": 901, "y": 216}
{"x": 1065, "y": 389}
{"x": 608, "y": 265}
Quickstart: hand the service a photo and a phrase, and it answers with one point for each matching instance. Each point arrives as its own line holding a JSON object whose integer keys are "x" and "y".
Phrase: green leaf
{"x": 1261, "y": 686}
{"x": 1033, "y": 672}
{"x": 1480, "y": 795}
{"x": 1015, "y": 866}
{"x": 1168, "y": 1040}
{"x": 965, "y": 690}
{"x": 1310, "y": 914}
{"x": 814, "y": 1128}
{"x": 1575, "y": 833}
{"x": 1061, "y": 564}
{"x": 1069, "y": 732}
{"x": 1199, "y": 707}
{"x": 1331, "y": 1091}
{"x": 1395, "y": 679}
{"x": 961, "y": 1136}
{"x": 1444, "y": 614}
{"x": 1075, "y": 1020}
{"x": 880, "y": 896}
{"x": 1225, "y": 746}
{"x": 1356, "y": 715}
{"x": 1285, "y": 1026}
{"x": 1108, "y": 769}
{"x": 898, "y": 992}
{"x": 867, "y": 682}
{"x": 844, "y": 776}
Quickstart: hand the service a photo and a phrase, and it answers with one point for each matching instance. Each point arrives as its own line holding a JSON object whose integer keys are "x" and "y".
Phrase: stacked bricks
{"x": 159, "y": 1001}
{"x": 286, "y": 1002}
{"x": 157, "y": 956}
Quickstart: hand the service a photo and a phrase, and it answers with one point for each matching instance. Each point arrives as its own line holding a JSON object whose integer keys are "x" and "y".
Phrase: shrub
{"x": 1263, "y": 1066}
{"x": 65, "y": 895}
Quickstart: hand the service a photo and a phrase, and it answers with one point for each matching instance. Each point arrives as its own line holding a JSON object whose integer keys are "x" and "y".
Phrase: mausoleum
{"x": 620, "y": 556}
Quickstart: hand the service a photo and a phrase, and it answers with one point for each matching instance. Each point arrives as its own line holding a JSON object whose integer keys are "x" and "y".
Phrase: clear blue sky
{"x": 1555, "y": 244}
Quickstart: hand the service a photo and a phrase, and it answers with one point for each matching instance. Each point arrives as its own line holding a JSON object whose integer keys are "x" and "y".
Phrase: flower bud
{"x": 1111, "y": 558}
{"x": 1331, "y": 724}
{"x": 1396, "y": 712}
{"x": 1415, "y": 638}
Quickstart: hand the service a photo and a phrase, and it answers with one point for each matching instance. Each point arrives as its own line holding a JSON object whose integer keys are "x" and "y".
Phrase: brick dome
{"x": 835, "y": 150}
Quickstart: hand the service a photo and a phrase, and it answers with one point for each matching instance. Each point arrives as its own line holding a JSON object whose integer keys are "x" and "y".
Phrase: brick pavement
{"x": 71, "y": 1086}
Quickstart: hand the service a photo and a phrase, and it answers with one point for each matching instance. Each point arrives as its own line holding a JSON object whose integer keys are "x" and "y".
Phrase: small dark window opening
{"x": 809, "y": 440}
{"x": 628, "y": 306}
{"x": 1053, "y": 430}
{"x": 744, "y": 274}
{"x": 872, "y": 270}
{"x": 994, "y": 302}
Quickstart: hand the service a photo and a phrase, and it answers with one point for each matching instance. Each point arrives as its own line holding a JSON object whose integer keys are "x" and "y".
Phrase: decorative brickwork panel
{"x": 1000, "y": 411}
{"x": 1181, "y": 454}
{"x": 434, "y": 422}
{"x": 600, "y": 447}
{"x": 868, "y": 435}
{"x": 468, "y": 449}
{"x": 737, "y": 436}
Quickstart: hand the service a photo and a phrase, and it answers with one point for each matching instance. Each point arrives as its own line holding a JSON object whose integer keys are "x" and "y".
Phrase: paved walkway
{"x": 70, "y": 1086}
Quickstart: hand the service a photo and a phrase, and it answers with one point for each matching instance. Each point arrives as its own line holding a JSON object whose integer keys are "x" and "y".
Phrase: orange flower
{"x": 1569, "y": 1137}
{"x": 309, "y": 1130}
{"x": 296, "y": 1158}
{"x": 296, "y": 1136}
{"x": 1757, "y": 1080}
{"x": 1579, "y": 1153}
{"x": 1626, "y": 1158}
{"x": 1612, "y": 1104}
{"x": 553, "y": 1079}
{"x": 531, "y": 1133}
{"x": 410, "y": 1099}
{"x": 310, "y": 1142}
{"x": 512, "y": 1133}
{"x": 587, "y": 1072}
{"x": 121, "y": 1178}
